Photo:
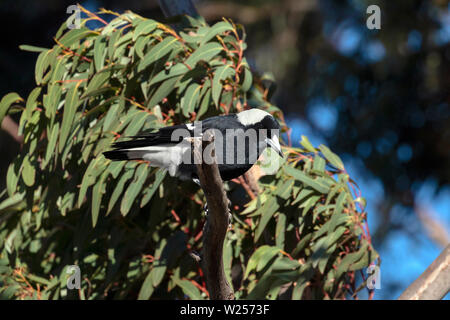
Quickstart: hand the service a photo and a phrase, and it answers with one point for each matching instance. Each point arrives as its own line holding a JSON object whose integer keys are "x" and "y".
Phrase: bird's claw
{"x": 230, "y": 216}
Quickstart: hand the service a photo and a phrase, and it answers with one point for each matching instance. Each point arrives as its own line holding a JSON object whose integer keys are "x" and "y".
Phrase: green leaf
{"x": 52, "y": 99}
{"x": 148, "y": 194}
{"x": 115, "y": 168}
{"x": 74, "y": 35}
{"x": 144, "y": 27}
{"x": 320, "y": 255}
{"x": 362, "y": 201}
{"x": 174, "y": 71}
{"x": 52, "y": 138}
{"x": 266, "y": 255}
{"x": 134, "y": 188}
{"x": 163, "y": 91}
{"x": 94, "y": 169}
{"x": 308, "y": 204}
{"x": 306, "y": 273}
{"x": 147, "y": 289}
{"x": 6, "y": 102}
{"x": 70, "y": 108}
{"x": 221, "y": 74}
{"x": 97, "y": 81}
{"x": 158, "y": 272}
{"x": 97, "y": 193}
{"x": 59, "y": 69}
{"x": 11, "y": 179}
{"x": 99, "y": 52}
{"x": 248, "y": 80}
{"x": 32, "y": 102}
{"x": 317, "y": 184}
{"x": 254, "y": 259}
{"x": 112, "y": 116}
{"x": 161, "y": 49}
{"x": 189, "y": 289}
{"x": 319, "y": 163}
{"x": 26, "y": 47}
{"x": 190, "y": 99}
{"x": 284, "y": 263}
{"x": 304, "y": 193}
{"x": 268, "y": 210}
{"x": 306, "y": 144}
{"x": 119, "y": 188}
{"x": 280, "y": 231}
{"x": 349, "y": 259}
{"x": 28, "y": 172}
{"x": 332, "y": 157}
{"x": 228, "y": 260}
{"x": 136, "y": 124}
{"x": 205, "y": 103}
{"x": 140, "y": 46}
{"x": 206, "y": 53}
{"x": 112, "y": 41}
{"x": 302, "y": 244}
{"x": 284, "y": 189}
{"x": 340, "y": 202}
{"x": 217, "y": 29}
{"x": 42, "y": 64}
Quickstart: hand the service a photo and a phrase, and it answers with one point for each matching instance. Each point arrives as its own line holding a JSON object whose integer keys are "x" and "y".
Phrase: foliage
{"x": 129, "y": 227}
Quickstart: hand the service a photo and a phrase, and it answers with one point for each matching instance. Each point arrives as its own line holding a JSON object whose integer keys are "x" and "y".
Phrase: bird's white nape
{"x": 251, "y": 116}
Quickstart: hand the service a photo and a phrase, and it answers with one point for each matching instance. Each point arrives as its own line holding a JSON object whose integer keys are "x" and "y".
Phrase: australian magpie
{"x": 239, "y": 141}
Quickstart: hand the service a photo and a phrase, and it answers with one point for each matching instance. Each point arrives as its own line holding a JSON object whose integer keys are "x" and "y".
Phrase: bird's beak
{"x": 275, "y": 145}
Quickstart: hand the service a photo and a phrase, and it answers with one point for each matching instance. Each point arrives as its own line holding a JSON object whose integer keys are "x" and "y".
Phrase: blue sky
{"x": 408, "y": 251}
{"x": 404, "y": 257}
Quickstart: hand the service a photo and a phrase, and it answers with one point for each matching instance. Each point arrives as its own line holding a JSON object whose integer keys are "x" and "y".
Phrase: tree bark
{"x": 216, "y": 225}
{"x": 434, "y": 282}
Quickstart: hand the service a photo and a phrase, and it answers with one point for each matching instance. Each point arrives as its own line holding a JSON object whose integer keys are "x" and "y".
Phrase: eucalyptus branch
{"x": 12, "y": 129}
{"x": 434, "y": 282}
{"x": 216, "y": 225}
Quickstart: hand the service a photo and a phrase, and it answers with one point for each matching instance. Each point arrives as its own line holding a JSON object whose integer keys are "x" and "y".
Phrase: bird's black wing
{"x": 162, "y": 136}
{"x": 221, "y": 123}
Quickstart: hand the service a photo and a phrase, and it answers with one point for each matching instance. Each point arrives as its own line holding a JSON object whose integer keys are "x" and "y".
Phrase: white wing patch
{"x": 252, "y": 116}
{"x": 166, "y": 156}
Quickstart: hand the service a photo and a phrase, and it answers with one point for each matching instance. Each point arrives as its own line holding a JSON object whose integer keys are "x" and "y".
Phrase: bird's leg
{"x": 196, "y": 256}
{"x": 230, "y": 216}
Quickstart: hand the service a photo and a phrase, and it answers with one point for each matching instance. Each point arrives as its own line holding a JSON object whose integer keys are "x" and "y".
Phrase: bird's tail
{"x": 117, "y": 155}
{"x": 127, "y": 150}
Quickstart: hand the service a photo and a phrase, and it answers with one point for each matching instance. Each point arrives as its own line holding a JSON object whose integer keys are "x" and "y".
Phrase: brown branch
{"x": 434, "y": 282}
{"x": 435, "y": 228}
{"x": 12, "y": 128}
{"x": 216, "y": 224}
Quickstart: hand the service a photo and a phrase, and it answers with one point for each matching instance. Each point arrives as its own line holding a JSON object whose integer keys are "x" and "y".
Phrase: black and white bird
{"x": 239, "y": 141}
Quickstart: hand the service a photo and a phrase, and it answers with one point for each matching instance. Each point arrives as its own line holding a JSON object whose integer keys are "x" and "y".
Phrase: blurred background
{"x": 378, "y": 98}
